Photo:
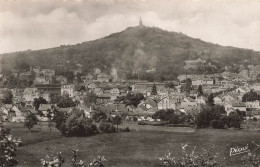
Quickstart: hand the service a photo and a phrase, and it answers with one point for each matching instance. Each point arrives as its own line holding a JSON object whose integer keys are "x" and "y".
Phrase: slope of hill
{"x": 132, "y": 50}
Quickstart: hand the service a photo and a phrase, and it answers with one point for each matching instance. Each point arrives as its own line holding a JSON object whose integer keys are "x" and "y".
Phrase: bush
{"x": 99, "y": 116}
{"x": 135, "y": 119}
{"x": 234, "y": 120}
{"x": 58, "y": 160}
{"x": 77, "y": 125}
{"x": 30, "y": 121}
{"x": 217, "y": 124}
{"x": 74, "y": 124}
{"x": 127, "y": 129}
{"x": 8, "y": 148}
{"x": 105, "y": 127}
{"x": 208, "y": 114}
{"x": 252, "y": 158}
{"x": 254, "y": 119}
{"x": 205, "y": 159}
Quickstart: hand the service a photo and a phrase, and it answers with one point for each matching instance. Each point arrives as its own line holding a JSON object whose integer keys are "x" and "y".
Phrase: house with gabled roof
{"x": 103, "y": 98}
{"x": 165, "y": 103}
{"x": 114, "y": 92}
{"x": 19, "y": 113}
{"x": 229, "y": 106}
{"x": 45, "y": 107}
{"x": 131, "y": 108}
{"x": 187, "y": 103}
{"x": 253, "y": 104}
{"x": 242, "y": 90}
{"x": 201, "y": 100}
{"x": 6, "y": 108}
{"x": 148, "y": 103}
{"x": 218, "y": 100}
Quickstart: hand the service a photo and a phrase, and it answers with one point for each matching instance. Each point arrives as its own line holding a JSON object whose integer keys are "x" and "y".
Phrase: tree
{"x": 79, "y": 80}
{"x": 38, "y": 101}
{"x": 250, "y": 96}
{"x": 210, "y": 100}
{"x": 91, "y": 98}
{"x": 200, "y": 91}
{"x": 218, "y": 123}
{"x": 7, "y": 97}
{"x": 208, "y": 114}
{"x": 170, "y": 85}
{"x": 60, "y": 118}
{"x": 65, "y": 102}
{"x": 30, "y": 121}
{"x": 42, "y": 100}
{"x": 154, "y": 90}
{"x": 135, "y": 119}
{"x": 76, "y": 124}
{"x": 188, "y": 85}
{"x": 234, "y": 120}
{"x": 167, "y": 116}
{"x": 70, "y": 77}
{"x": 8, "y": 148}
{"x": 98, "y": 116}
{"x": 54, "y": 97}
{"x": 50, "y": 116}
{"x": 106, "y": 127}
{"x": 117, "y": 120}
{"x": 159, "y": 115}
{"x": 133, "y": 98}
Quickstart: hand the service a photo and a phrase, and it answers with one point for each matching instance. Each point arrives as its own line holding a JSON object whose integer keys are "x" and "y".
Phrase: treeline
{"x": 76, "y": 123}
{"x": 210, "y": 116}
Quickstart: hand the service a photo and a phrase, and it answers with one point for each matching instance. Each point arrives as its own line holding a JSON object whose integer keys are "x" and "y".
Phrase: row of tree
{"x": 170, "y": 116}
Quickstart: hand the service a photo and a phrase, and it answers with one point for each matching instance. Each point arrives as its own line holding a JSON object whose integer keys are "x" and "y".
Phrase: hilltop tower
{"x": 140, "y": 22}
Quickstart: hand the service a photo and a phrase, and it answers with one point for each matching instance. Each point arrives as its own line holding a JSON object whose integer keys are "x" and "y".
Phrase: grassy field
{"x": 139, "y": 148}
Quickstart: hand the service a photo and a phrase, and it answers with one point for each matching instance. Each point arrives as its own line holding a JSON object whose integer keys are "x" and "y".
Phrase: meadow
{"x": 139, "y": 148}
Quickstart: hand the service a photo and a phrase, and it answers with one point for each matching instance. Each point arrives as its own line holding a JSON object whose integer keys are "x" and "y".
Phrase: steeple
{"x": 140, "y": 22}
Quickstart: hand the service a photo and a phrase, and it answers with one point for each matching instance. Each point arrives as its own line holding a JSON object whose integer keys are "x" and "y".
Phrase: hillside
{"x": 135, "y": 49}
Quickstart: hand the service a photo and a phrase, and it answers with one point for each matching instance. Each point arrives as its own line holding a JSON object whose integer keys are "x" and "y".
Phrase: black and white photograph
{"x": 129, "y": 83}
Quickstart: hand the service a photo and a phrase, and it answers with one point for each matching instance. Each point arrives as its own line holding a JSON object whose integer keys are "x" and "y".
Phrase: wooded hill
{"x": 134, "y": 50}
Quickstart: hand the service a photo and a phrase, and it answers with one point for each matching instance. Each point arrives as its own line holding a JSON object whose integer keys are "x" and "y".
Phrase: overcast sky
{"x": 39, "y": 24}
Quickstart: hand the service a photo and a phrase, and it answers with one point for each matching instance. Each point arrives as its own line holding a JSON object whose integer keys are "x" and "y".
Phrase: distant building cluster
{"x": 182, "y": 95}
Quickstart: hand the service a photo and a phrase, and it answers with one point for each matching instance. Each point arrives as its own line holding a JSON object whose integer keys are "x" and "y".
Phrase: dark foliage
{"x": 250, "y": 96}
{"x": 74, "y": 124}
{"x": 99, "y": 116}
{"x": 91, "y": 98}
{"x": 208, "y": 114}
{"x": 234, "y": 120}
{"x": 167, "y": 116}
{"x": 8, "y": 149}
{"x": 117, "y": 120}
{"x": 165, "y": 51}
{"x": 210, "y": 100}
{"x": 106, "y": 127}
{"x": 62, "y": 101}
{"x": 38, "y": 101}
{"x": 200, "y": 91}
{"x": 133, "y": 98}
{"x": 154, "y": 90}
{"x": 7, "y": 97}
{"x": 30, "y": 121}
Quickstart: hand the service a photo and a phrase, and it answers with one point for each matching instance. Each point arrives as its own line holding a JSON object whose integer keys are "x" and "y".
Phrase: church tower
{"x": 140, "y": 22}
